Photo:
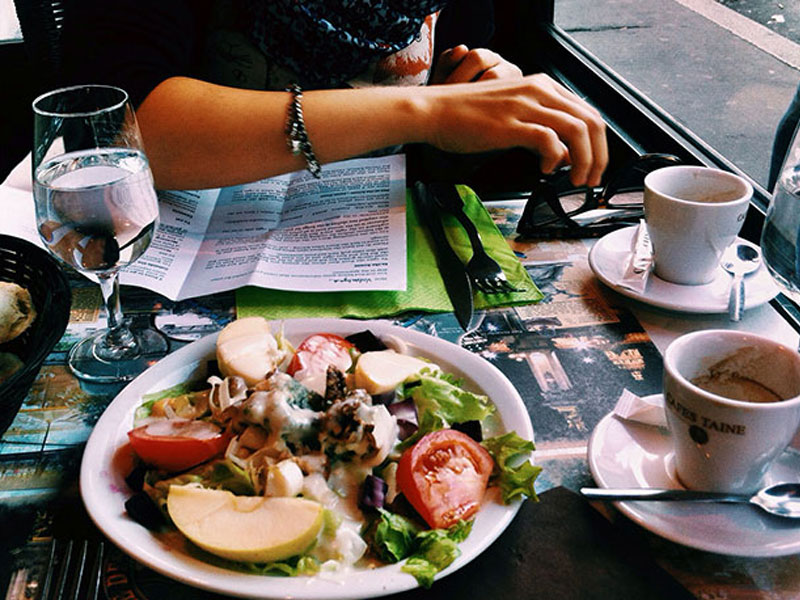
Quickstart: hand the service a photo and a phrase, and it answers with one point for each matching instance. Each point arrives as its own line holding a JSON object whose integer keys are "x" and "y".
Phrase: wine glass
{"x": 96, "y": 210}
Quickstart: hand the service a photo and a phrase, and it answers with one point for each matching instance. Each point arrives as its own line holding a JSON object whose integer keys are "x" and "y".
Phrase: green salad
{"x": 339, "y": 454}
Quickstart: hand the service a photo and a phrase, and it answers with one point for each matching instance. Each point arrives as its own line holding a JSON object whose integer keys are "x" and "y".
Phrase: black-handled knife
{"x": 454, "y": 275}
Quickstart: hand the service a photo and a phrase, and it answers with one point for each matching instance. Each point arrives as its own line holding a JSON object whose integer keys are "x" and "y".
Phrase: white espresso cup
{"x": 732, "y": 401}
{"x": 692, "y": 215}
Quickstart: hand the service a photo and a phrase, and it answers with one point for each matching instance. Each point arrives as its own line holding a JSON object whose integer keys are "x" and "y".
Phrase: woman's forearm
{"x": 201, "y": 135}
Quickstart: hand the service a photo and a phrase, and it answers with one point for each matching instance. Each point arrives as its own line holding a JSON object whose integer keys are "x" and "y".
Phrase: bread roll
{"x": 16, "y": 311}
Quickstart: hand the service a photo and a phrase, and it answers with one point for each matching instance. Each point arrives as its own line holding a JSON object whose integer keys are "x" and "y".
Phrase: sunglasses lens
{"x": 573, "y": 202}
{"x": 545, "y": 208}
{"x": 626, "y": 199}
{"x": 632, "y": 176}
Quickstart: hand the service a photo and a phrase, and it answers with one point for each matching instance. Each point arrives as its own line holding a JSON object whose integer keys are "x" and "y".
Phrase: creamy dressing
{"x": 221, "y": 396}
{"x": 289, "y": 450}
{"x": 199, "y": 430}
{"x": 271, "y": 409}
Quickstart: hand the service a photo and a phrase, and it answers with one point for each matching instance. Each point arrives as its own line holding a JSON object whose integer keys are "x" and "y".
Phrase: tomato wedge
{"x": 444, "y": 476}
{"x": 317, "y": 351}
{"x": 177, "y": 444}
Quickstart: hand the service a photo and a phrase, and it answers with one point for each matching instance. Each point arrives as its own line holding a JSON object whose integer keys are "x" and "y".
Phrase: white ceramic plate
{"x": 625, "y": 454}
{"x": 104, "y": 491}
{"x": 608, "y": 257}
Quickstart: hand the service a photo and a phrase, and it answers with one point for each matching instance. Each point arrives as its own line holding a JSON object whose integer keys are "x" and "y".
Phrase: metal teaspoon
{"x": 739, "y": 260}
{"x": 782, "y": 499}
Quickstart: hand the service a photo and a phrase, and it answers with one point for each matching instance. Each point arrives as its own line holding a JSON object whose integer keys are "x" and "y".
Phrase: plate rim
{"x": 97, "y": 462}
{"x": 674, "y": 534}
{"x": 643, "y": 297}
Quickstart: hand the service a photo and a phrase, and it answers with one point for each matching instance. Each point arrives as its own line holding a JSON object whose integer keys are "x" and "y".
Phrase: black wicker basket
{"x": 34, "y": 269}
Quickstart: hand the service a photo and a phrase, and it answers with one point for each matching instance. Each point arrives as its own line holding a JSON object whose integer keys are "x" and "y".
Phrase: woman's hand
{"x": 533, "y": 112}
{"x": 461, "y": 65}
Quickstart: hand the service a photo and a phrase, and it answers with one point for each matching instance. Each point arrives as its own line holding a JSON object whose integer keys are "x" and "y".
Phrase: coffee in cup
{"x": 732, "y": 402}
{"x": 693, "y": 214}
{"x": 732, "y": 377}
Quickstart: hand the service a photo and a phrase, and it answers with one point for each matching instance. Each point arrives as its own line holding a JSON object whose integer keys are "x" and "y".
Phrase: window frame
{"x": 527, "y": 35}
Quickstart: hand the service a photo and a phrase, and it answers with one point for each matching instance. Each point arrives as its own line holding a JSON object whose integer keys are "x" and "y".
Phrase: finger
{"x": 505, "y": 70}
{"x": 573, "y": 132}
{"x": 546, "y": 143}
{"x": 473, "y": 65}
{"x": 561, "y": 97}
{"x": 600, "y": 153}
{"x": 447, "y": 61}
{"x": 567, "y": 102}
{"x": 597, "y": 131}
{"x": 455, "y": 54}
{"x": 595, "y": 134}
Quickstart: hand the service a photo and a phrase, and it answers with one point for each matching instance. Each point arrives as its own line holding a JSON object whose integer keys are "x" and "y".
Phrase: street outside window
{"x": 725, "y": 69}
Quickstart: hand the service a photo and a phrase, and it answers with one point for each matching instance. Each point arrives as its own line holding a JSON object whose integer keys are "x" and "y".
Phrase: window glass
{"x": 727, "y": 75}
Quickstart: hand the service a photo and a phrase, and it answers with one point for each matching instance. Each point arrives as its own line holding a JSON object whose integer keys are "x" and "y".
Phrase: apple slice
{"x": 381, "y": 371}
{"x": 244, "y": 528}
{"x": 247, "y": 348}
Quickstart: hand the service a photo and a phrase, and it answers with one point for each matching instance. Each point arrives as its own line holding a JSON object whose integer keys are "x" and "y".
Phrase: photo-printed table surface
{"x": 570, "y": 357}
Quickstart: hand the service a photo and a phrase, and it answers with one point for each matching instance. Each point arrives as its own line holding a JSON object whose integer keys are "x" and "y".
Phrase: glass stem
{"x": 118, "y": 341}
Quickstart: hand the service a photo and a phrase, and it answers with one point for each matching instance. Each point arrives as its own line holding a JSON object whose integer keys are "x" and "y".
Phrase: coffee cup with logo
{"x": 692, "y": 215}
{"x": 732, "y": 401}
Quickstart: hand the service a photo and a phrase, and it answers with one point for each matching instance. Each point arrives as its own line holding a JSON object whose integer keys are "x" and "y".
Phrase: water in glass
{"x": 97, "y": 211}
{"x": 779, "y": 238}
{"x": 104, "y": 199}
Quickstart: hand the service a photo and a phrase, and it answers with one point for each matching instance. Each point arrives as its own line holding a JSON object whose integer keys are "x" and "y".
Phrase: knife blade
{"x": 454, "y": 274}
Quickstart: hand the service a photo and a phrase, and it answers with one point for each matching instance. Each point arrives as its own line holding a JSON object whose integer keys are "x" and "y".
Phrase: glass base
{"x": 88, "y": 361}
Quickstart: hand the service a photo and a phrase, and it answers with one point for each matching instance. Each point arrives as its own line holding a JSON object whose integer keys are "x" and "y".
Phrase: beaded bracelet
{"x": 296, "y": 134}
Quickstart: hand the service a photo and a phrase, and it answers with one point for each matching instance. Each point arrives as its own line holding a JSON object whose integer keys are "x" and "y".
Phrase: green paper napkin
{"x": 425, "y": 291}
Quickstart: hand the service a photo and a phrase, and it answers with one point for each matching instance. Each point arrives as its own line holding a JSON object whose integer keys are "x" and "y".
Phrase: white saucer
{"x": 626, "y": 454}
{"x": 608, "y": 257}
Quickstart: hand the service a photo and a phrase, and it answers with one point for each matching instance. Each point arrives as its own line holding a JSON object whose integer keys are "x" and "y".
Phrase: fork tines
{"x": 495, "y": 285}
{"x": 74, "y": 570}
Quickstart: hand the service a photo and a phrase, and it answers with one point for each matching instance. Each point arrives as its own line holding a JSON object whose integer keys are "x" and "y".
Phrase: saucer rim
{"x": 673, "y": 533}
{"x": 768, "y": 289}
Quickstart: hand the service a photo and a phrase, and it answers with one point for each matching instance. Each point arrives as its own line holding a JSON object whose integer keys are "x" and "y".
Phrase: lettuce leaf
{"x": 441, "y": 401}
{"x": 392, "y": 536}
{"x": 221, "y": 474}
{"x": 435, "y": 550}
{"x": 291, "y": 567}
{"x": 143, "y": 411}
{"x": 513, "y": 473}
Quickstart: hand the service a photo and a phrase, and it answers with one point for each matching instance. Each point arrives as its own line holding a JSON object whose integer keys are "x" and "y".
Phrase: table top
{"x": 570, "y": 357}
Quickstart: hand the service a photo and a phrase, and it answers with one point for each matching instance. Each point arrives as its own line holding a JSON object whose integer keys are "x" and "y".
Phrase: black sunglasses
{"x": 556, "y": 209}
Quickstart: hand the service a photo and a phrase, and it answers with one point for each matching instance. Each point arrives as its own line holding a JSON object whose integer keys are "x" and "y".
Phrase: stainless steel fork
{"x": 74, "y": 571}
{"x": 485, "y": 272}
